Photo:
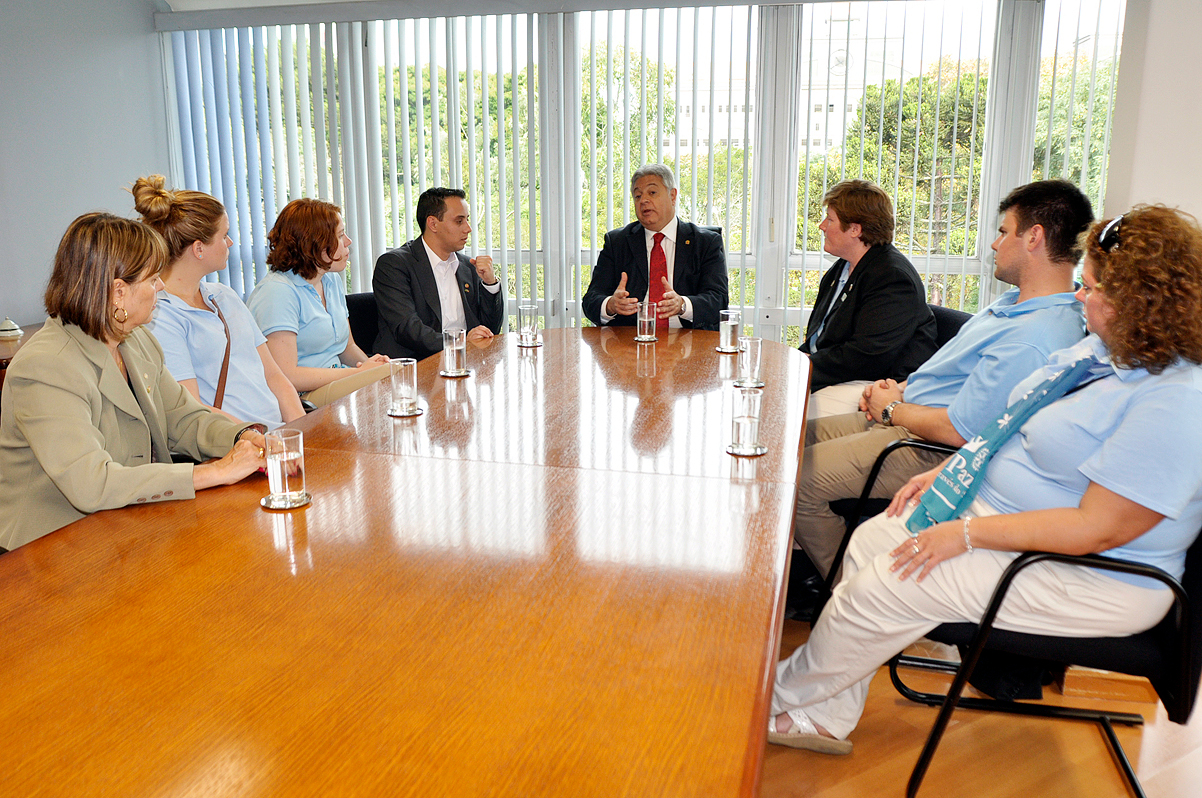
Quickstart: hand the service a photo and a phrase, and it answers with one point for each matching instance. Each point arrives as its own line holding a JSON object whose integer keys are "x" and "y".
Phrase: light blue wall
{"x": 82, "y": 114}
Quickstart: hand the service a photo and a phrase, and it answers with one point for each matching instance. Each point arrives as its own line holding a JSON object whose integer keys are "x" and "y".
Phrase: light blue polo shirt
{"x": 972, "y": 374}
{"x": 286, "y": 301}
{"x": 193, "y": 342}
{"x": 1134, "y": 433}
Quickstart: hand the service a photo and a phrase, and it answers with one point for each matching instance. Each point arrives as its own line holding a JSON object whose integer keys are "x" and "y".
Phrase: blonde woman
{"x": 90, "y": 415}
{"x": 210, "y": 340}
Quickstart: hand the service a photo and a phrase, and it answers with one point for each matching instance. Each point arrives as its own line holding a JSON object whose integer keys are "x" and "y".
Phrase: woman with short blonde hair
{"x": 90, "y": 416}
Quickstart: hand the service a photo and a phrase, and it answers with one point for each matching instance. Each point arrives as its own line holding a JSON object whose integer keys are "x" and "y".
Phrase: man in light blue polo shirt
{"x": 966, "y": 383}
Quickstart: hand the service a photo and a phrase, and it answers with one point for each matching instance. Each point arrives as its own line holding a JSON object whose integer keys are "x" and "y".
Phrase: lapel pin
{"x": 687, "y": 242}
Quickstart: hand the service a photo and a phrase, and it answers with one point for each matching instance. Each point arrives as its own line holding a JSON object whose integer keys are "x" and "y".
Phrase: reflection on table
{"x": 503, "y": 596}
{"x": 588, "y": 398}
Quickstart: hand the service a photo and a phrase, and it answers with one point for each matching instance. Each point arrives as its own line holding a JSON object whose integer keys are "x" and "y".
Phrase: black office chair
{"x": 364, "y": 319}
{"x": 1169, "y": 655}
{"x": 948, "y": 322}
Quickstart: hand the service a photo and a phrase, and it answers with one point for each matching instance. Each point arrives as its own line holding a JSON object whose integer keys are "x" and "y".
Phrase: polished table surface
{"x": 554, "y": 582}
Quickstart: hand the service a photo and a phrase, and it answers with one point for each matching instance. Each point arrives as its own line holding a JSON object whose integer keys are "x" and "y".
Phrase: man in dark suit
{"x": 870, "y": 319}
{"x": 688, "y": 261}
{"x": 427, "y": 286}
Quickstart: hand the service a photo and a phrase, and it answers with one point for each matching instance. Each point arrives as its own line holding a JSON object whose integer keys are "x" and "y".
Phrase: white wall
{"x": 82, "y": 114}
{"x": 1155, "y": 151}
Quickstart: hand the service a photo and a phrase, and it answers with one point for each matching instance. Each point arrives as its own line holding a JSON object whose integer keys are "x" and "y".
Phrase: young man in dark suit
{"x": 427, "y": 285}
{"x": 678, "y": 265}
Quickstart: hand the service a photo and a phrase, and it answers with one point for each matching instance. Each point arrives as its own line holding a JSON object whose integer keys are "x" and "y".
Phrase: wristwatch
{"x": 259, "y": 428}
{"x": 887, "y": 413}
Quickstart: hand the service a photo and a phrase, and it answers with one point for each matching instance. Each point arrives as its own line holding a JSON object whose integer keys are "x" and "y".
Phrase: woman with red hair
{"x": 301, "y": 304}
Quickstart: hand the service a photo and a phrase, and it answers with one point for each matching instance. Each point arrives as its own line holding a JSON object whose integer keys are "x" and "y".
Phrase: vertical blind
{"x": 1077, "y": 82}
{"x": 894, "y": 92}
{"x": 541, "y": 118}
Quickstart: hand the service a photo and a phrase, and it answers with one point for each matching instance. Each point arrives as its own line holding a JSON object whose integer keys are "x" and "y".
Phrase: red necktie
{"x": 658, "y": 273}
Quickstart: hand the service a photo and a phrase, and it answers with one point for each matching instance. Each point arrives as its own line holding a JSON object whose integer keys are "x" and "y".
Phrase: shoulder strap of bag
{"x": 225, "y": 364}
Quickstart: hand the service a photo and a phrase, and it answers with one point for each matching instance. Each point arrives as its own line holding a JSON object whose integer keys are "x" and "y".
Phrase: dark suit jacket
{"x": 699, "y": 272}
{"x": 409, "y": 308}
{"x": 881, "y": 326}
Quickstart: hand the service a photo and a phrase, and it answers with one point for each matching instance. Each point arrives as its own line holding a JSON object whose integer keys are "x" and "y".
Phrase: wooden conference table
{"x": 554, "y": 582}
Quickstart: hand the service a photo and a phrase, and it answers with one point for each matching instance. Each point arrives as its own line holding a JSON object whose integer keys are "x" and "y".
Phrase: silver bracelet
{"x": 967, "y": 542}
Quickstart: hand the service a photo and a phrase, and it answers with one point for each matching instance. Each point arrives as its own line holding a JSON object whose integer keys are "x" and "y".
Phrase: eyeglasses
{"x": 1108, "y": 238}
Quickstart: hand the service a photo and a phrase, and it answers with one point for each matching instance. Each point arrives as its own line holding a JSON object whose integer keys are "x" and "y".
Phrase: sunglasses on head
{"x": 1108, "y": 238}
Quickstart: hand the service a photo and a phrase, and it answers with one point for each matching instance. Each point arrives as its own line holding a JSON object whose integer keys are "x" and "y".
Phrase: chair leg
{"x": 922, "y": 664}
{"x": 941, "y": 721}
{"x": 949, "y": 702}
{"x": 1124, "y": 763}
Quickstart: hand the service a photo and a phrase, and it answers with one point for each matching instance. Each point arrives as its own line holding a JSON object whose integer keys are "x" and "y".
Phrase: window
{"x": 1078, "y": 71}
{"x": 267, "y": 114}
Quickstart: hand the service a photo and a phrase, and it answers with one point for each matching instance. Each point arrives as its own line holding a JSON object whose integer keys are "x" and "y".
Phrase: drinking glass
{"x": 646, "y": 330}
{"x": 749, "y": 363}
{"x": 528, "y": 326}
{"x": 728, "y": 331}
{"x": 454, "y": 353}
{"x": 285, "y": 470}
{"x": 404, "y": 387}
{"x": 745, "y": 430}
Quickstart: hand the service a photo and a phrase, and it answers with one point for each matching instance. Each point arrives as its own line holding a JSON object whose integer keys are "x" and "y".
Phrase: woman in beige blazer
{"x": 89, "y": 415}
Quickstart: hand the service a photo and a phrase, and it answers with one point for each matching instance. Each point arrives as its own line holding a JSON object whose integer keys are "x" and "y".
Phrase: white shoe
{"x": 802, "y": 734}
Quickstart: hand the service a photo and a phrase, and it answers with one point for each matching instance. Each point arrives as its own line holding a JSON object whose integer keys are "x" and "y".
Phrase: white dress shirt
{"x": 449, "y": 298}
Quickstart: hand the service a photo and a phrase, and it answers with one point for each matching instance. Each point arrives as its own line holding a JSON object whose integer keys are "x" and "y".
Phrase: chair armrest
{"x": 1181, "y": 599}
{"x": 866, "y": 494}
{"x": 1030, "y": 558}
{"x": 908, "y": 443}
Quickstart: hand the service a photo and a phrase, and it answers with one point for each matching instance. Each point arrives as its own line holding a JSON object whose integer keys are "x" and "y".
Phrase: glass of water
{"x": 528, "y": 326}
{"x": 454, "y": 353}
{"x": 285, "y": 470}
{"x": 745, "y": 430}
{"x": 728, "y": 331}
{"x": 404, "y": 387}
{"x": 646, "y": 330}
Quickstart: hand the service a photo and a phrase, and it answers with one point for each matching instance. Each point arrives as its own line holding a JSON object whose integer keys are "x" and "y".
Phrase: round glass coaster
{"x": 271, "y": 503}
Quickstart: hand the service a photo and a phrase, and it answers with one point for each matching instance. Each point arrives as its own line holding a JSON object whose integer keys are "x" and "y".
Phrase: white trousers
{"x": 835, "y": 400}
{"x": 874, "y": 615}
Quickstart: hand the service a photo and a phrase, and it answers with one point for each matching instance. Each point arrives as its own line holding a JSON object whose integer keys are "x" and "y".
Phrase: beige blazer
{"x": 75, "y": 439}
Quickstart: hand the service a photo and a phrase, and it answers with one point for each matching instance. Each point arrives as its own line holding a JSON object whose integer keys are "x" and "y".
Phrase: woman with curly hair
{"x": 1110, "y": 467}
{"x": 301, "y": 304}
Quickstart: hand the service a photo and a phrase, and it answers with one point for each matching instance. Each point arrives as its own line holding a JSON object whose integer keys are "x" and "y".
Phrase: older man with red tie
{"x": 659, "y": 258}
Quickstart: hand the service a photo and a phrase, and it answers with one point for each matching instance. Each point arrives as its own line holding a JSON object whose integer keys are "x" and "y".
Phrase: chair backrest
{"x": 948, "y": 322}
{"x": 1178, "y": 705}
{"x": 364, "y": 319}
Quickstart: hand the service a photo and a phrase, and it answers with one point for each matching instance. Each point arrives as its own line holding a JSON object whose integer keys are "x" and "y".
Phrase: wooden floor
{"x": 987, "y": 755}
